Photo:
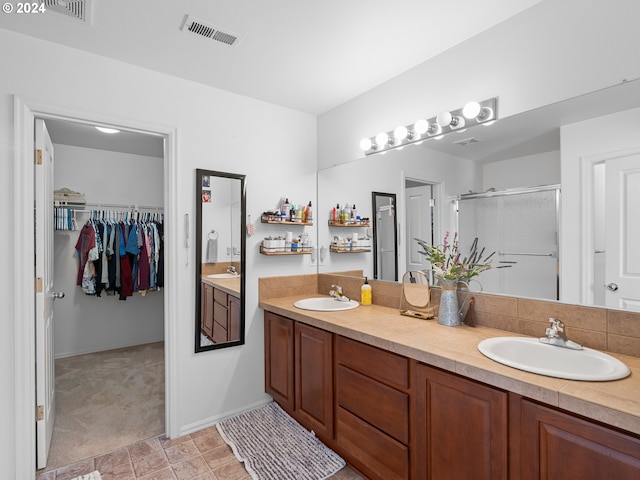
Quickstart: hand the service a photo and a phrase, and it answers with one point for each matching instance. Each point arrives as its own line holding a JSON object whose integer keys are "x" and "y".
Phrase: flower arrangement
{"x": 447, "y": 262}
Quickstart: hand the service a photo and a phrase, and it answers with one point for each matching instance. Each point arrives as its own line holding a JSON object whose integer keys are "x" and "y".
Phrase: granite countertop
{"x": 616, "y": 403}
{"x": 227, "y": 285}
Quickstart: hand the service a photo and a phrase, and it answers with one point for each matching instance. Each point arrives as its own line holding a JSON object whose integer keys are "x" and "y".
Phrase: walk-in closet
{"x": 109, "y": 263}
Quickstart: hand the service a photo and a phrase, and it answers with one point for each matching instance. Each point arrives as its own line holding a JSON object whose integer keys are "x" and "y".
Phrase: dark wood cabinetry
{"x": 220, "y": 315}
{"x": 299, "y": 372}
{"x": 460, "y": 428}
{"x": 314, "y": 379}
{"x": 372, "y": 409}
{"x": 278, "y": 350}
{"x": 393, "y": 418}
{"x": 556, "y": 445}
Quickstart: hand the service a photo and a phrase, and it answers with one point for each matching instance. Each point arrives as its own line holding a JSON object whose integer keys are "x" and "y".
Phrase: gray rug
{"x": 273, "y": 446}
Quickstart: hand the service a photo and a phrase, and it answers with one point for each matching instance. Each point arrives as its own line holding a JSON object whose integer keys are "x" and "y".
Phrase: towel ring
{"x": 215, "y": 235}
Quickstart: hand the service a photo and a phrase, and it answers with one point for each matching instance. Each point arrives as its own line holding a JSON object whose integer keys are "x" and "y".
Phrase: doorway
{"x": 108, "y": 342}
{"x": 420, "y": 221}
{"x": 25, "y": 112}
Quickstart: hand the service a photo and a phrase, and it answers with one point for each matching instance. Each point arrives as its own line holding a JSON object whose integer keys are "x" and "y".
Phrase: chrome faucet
{"x": 337, "y": 293}
{"x": 231, "y": 269}
{"x": 555, "y": 335}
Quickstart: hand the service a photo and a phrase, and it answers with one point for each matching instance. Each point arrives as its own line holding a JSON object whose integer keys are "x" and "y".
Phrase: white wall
{"x": 528, "y": 171}
{"x": 88, "y": 83}
{"x": 85, "y": 323}
{"x": 546, "y": 54}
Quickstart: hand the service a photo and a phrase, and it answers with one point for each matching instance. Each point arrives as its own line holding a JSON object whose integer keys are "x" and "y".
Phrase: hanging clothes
{"x": 123, "y": 257}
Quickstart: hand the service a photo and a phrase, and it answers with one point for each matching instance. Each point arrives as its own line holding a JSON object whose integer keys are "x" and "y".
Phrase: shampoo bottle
{"x": 365, "y": 293}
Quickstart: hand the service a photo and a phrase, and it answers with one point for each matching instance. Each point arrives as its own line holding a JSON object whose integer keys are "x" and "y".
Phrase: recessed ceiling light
{"x": 107, "y": 130}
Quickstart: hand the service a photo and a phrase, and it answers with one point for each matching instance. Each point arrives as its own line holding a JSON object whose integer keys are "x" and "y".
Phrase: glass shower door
{"x": 522, "y": 228}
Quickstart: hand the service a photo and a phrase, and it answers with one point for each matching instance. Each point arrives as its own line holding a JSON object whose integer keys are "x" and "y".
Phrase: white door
{"x": 622, "y": 201}
{"x": 419, "y": 224}
{"x": 45, "y": 375}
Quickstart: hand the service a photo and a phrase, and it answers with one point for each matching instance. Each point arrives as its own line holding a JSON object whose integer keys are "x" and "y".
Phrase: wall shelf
{"x": 301, "y": 251}
{"x": 276, "y": 221}
{"x": 332, "y": 224}
{"x": 334, "y": 249}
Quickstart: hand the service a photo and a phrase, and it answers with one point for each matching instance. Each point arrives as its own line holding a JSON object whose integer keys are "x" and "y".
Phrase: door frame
{"x": 587, "y": 216}
{"x": 25, "y": 111}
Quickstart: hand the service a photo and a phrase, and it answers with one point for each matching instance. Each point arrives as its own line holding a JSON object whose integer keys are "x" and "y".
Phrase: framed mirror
{"x": 220, "y": 259}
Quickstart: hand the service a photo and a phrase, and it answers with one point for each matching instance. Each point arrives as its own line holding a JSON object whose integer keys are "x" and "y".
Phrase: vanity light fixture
{"x": 473, "y": 113}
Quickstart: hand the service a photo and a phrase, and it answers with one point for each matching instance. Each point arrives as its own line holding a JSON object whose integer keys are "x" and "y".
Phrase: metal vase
{"x": 449, "y": 313}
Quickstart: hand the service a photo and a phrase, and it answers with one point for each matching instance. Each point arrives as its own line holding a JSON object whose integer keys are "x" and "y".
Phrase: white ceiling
{"x": 308, "y": 55}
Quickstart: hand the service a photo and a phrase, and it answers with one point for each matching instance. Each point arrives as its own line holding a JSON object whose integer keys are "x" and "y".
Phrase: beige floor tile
{"x": 150, "y": 463}
{"x": 191, "y": 468}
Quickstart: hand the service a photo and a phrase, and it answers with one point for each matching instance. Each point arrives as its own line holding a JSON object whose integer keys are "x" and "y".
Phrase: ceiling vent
{"x": 78, "y": 9}
{"x": 466, "y": 141}
{"x": 206, "y": 30}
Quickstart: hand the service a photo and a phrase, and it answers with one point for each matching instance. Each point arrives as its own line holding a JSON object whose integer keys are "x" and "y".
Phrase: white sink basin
{"x": 325, "y": 304}
{"x": 533, "y": 356}
{"x": 223, "y": 275}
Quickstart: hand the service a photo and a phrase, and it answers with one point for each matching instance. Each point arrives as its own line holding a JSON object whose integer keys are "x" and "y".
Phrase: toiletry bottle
{"x": 309, "y": 212}
{"x": 337, "y": 215}
{"x": 285, "y": 207}
{"x": 365, "y": 293}
{"x": 346, "y": 213}
{"x": 354, "y": 214}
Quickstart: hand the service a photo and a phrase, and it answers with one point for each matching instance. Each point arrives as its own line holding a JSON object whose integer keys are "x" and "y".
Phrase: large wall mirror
{"x": 537, "y": 201}
{"x": 220, "y": 259}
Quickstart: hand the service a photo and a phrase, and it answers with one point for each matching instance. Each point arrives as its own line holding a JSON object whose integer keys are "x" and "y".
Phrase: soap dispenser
{"x": 365, "y": 293}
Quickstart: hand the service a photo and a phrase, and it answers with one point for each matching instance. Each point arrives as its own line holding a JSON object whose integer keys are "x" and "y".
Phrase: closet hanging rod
{"x": 89, "y": 207}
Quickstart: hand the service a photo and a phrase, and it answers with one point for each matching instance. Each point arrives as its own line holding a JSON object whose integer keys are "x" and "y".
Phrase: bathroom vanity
{"x": 220, "y": 309}
{"x": 403, "y": 398}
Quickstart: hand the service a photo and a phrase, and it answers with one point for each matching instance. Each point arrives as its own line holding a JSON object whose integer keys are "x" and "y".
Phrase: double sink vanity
{"x": 404, "y": 398}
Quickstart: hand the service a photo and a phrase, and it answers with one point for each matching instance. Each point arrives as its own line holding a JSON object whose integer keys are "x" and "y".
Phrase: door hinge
{"x": 38, "y": 284}
{"x": 38, "y": 158}
{"x": 39, "y": 413}
{"x": 432, "y": 202}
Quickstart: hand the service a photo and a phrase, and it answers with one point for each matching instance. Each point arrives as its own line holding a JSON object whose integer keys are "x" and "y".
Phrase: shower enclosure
{"x": 521, "y": 227}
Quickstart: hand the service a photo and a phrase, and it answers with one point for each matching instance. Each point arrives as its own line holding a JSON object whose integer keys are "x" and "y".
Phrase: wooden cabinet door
{"x": 279, "y": 361}
{"x": 314, "y": 379}
{"x": 207, "y": 310}
{"x": 460, "y": 428}
{"x": 556, "y": 445}
{"x": 233, "y": 307}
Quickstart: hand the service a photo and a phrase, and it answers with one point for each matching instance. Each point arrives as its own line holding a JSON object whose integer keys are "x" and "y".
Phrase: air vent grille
{"x": 77, "y": 9}
{"x": 466, "y": 141}
{"x": 206, "y": 30}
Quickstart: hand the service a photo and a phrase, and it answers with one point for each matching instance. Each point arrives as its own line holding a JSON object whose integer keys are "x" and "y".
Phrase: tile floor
{"x": 200, "y": 456}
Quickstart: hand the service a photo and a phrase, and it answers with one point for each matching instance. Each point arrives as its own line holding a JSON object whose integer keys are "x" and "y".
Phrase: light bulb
{"x": 421, "y": 126}
{"x": 485, "y": 114}
{"x": 434, "y": 129}
{"x": 444, "y": 119}
{"x": 457, "y": 123}
{"x": 400, "y": 133}
{"x": 381, "y": 139}
{"x": 471, "y": 110}
{"x": 366, "y": 144}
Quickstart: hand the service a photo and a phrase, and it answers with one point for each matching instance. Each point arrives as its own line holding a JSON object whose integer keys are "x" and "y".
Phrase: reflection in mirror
{"x": 385, "y": 236}
{"x": 220, "y": 259}
{"x": 519, "y": 152}
{"x": 416, "y": 296}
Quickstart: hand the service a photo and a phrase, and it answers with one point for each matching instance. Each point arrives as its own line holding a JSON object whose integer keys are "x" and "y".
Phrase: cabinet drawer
{"x": 377, "y": 455}
{"x": 220, "y": 314}
{"x": 377, "y": 404}
{"x": 384, "y": 366}
{"x": 220, "y": 334}
{"x": 219, "y": 296}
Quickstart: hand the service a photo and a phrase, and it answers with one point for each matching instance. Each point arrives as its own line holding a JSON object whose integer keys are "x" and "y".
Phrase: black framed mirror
{"x": 385, "y": 236}
{"x": 220, "y": 259}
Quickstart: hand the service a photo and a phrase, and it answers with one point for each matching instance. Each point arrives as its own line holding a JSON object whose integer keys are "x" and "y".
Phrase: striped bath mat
{"x": 273, "y": 446}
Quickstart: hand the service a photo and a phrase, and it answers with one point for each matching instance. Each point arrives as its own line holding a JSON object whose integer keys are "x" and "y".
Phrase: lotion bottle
{"x": 365, "y": 293}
